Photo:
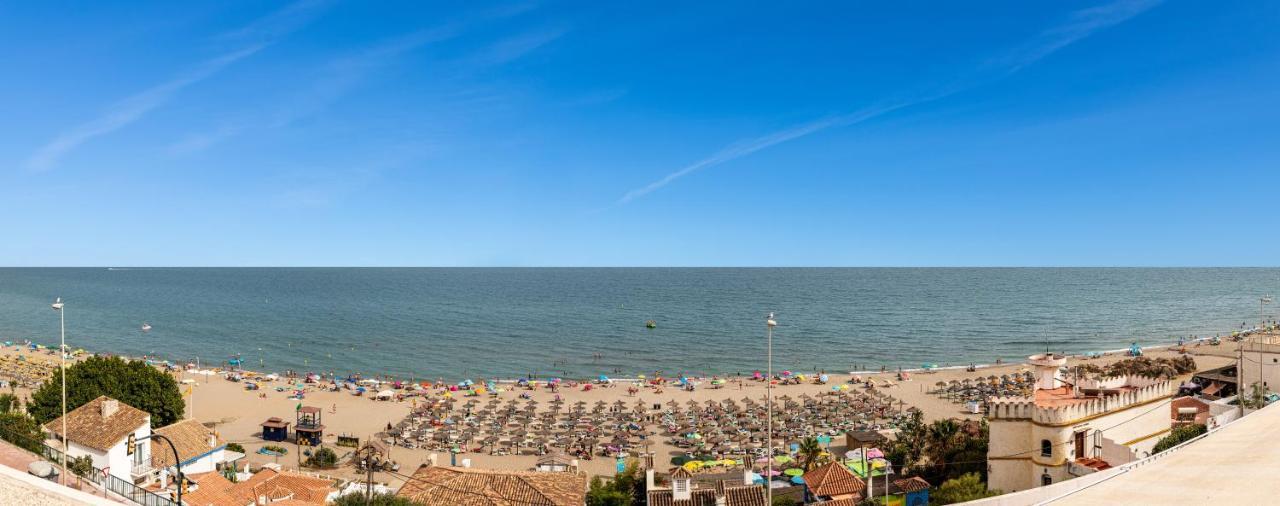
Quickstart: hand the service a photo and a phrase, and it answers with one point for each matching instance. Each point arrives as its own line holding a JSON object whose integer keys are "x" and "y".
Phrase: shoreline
{"x": 236, "y": 413}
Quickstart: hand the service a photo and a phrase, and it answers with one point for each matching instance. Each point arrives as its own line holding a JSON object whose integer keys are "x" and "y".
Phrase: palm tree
{"x": 942, "y": 436}
{"x": 810, "y": 452}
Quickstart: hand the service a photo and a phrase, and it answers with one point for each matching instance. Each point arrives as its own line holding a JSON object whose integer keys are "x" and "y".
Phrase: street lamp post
{"x": 769, "y": 324}
{"x": 62, "y": 355}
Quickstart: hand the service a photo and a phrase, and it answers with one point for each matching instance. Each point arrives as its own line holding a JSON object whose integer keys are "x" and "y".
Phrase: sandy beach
{"x": 236, "y": 413}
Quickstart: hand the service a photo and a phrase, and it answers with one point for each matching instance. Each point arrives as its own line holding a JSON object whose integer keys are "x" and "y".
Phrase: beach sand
{"x": 236, "y": 413}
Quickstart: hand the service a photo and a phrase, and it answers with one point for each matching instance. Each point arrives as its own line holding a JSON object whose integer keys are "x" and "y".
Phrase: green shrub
{"x": 1178, "y": 436}
{"x": 322, "y": 458}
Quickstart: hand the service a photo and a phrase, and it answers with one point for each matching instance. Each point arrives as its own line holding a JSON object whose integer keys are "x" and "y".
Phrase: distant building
{"x": 833, "y": 483}
{"x": 1066, "y": 430}
{"x": 1261, "y": 363}
{"x": 265, "y": 488}
{"x": 686, "y": 491}
{"x": 556, "y": 462}
{"x": 1217, "y": 383}
{"x": 1198, "y": 410}
{"x": 453, "y": 486}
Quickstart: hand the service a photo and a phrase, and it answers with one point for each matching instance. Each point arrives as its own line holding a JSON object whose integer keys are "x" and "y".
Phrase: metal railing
{"x": 123, "y": 488}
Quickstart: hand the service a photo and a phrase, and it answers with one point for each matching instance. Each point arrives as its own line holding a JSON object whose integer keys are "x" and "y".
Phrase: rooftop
{"x": 1238, "y": 455}
{"x": 189, "y": 437}
{"x": 832, "y": 480}
{"x": 734, "y": 495}
{"x": 101, "y": 423}
{"x": 457, "y": 486}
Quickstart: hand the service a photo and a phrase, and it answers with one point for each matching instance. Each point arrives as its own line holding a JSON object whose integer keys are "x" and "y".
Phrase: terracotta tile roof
{"x": 275, "y": 423}
{"x": 283, "y": 485}
{"x": 189, "y": 437}
{"x": 211, "y": 490}
{"x": 680, "y": 473}
{"x": 90, "y": 428}
{"x": 456, "y": 486}
{"x": 739, "y": 495}
{"x": 912, "y": 484}
{"x": 832, "y": 480}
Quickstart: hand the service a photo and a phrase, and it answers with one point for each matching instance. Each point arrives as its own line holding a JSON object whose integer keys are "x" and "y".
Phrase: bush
{"x": 132, "y": 382}
{"x": 323, "y": 458}
{"x": 235, "y": 447}
{"x": 21, "y": 429}
{"x": 276, "y": 448}
{"x": 9, "y": 402}
{"x": 377, "y": 500}
{"x": 1178, "y": 436}
{"x": 965, "y": 488}
{"x": 81, "y": 466}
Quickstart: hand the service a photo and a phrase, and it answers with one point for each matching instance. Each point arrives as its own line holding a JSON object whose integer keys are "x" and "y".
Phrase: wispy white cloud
{"x": 512, "y": 48}
{"x": 263, "y": 32}
{"x": 1080, "y": 25}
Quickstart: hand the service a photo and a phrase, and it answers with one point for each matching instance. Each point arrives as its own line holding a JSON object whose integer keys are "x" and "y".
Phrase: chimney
{"x": 466, "y": 463}
{"x": 213, "y": 441}
{"x": 109, "y": 407}
{"x": 648, "y": 479}
{"x": 747, "y": 479}
{"x": 573, "y": 466}
{"x": 431, "y": 459}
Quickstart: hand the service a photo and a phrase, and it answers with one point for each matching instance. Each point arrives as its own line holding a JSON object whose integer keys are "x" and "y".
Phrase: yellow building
{"x": 1072, "y": 427}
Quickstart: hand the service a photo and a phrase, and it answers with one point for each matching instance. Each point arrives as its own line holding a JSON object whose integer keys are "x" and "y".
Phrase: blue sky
{"x": 604, "y": 134}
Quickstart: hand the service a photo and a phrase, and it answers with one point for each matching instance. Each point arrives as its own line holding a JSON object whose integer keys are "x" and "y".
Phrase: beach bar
{"x": 275, "y": 429}
{"x": 308, "y": 426}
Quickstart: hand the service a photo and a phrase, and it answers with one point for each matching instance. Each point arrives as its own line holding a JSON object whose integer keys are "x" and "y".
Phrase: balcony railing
{"x": 140, "y": 470}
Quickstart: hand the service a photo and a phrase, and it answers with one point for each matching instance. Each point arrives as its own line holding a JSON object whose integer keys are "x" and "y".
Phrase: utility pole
{"x": 1240, "y": 376}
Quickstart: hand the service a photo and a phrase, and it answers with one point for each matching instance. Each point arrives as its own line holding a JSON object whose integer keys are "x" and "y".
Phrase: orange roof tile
{"x": 832, "y": 480}
{"x": 456, "y": 486}
{"x": 89, "y": 427}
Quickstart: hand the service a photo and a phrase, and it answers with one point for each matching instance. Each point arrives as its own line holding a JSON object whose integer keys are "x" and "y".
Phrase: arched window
{"x": 1046, "y": 448}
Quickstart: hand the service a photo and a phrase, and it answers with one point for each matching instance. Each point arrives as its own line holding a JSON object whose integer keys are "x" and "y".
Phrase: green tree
{"x": 968, "y": 487}
{"x": 376, "y": 500}
{"x": 810, "y": 453}
{"x": 942, "y": 437}
{"x": 81, "y": 466}
{"x": 782, "y": 500}
{"x": 323, "y": 458}
{"x": 132, "y": 382}
{"x": 623, "y": 490}
{"x": 9, "y": 402}
{"x": 1178, "y": 436}
{"x": 603, "y": 493}
{"x": 22, "y": 430}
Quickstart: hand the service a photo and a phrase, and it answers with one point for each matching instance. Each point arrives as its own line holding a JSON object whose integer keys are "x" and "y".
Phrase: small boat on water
{"x": 146, "y": 326}
{"x": 650, "y": 324}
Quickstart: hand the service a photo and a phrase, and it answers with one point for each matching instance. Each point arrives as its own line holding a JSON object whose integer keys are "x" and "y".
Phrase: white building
{"x": 1066, "y": 430}
{"x": 200, "y": 449}
{"x": 101, "y": 429}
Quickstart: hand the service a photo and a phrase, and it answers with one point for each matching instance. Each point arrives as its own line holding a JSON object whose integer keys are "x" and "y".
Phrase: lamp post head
{"x": 57, "y": 304}
{"x": 768, "y": 320}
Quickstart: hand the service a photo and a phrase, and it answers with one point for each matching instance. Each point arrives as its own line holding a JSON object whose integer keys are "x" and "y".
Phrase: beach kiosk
{"x": 308, "y": 426}
{"x": 275, "y": 429}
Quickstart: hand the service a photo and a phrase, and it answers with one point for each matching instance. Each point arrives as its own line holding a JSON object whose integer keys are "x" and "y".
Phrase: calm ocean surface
{"x": 453, "y": 323}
